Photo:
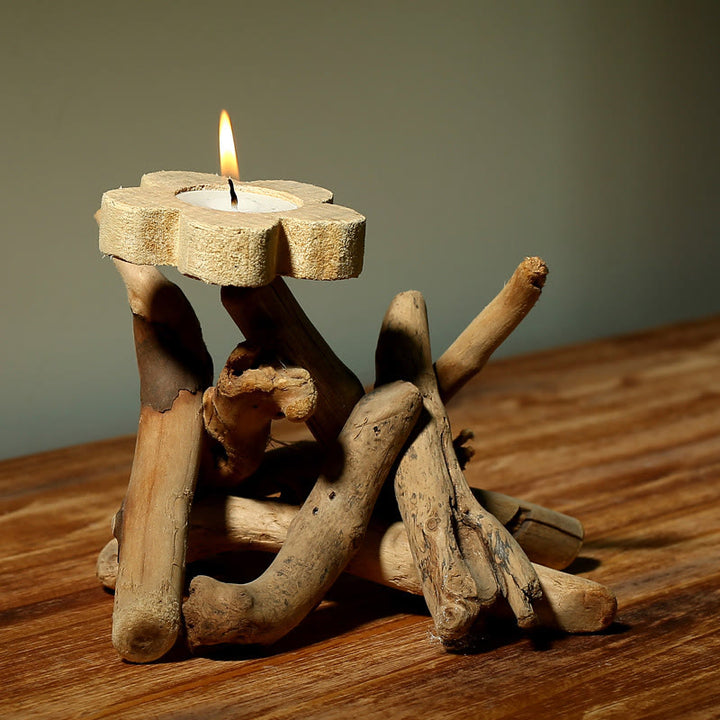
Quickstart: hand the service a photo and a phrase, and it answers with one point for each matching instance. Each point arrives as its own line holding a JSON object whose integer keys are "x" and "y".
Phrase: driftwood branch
{"x": 454, "y": 541}
{"x": 271, "y": 318}
{"x": 151, "y": 527}
{"x": 323, "y": 536}
{"x": 238, "y": 411}
{"x": 225, "y": 524}
{"x": 474, "y": 346}
{"x": 548, "y": 537}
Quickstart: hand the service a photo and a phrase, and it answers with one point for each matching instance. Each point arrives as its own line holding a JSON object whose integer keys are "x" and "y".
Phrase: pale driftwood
{"x": 547, "y": 536}
{"x": 465, "y": 557}
{"x": 223, "y": 524}
{"x": 151, "y": 225}
{"x": 271, "y": 318}
{"x": 239, "y": 409}
{"x": 151, "y": 527}
{"x": 322, "y": 538}
{"x": 474, "y": 346}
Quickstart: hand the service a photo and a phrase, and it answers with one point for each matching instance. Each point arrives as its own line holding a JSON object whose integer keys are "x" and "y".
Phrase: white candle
{"x": 248, "y": 202}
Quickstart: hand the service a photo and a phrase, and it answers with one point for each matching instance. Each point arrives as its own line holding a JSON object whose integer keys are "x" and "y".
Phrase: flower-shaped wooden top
{"x": 152, "y": 225}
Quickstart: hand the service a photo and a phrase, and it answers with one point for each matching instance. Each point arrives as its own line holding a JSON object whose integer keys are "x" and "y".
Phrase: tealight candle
{"x": 248, "y": 202}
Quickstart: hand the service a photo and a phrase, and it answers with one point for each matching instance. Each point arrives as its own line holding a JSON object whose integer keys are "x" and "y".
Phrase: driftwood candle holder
{"x": 472, "y": 554}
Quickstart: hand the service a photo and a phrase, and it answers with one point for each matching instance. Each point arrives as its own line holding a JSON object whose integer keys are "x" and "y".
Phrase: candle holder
{"x": 290, "y": 228}
{"x": 471, "y": 553}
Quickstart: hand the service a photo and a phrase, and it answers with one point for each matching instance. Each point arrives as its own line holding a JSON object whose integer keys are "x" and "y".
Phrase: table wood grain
{"x": 622, "y": 433}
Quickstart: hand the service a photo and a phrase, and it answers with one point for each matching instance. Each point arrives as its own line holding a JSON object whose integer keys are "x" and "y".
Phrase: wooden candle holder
{"x": 471, "y": 554}
{"x": 152, "y": 225}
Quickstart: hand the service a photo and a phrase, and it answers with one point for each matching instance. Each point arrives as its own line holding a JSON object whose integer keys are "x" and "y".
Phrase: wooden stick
{"x": 474, "y": 346}
{"x": 239, "y": 409}
{"x": 151, "y": 528}
{"x": 323, "y": 536}
{"x": 271, "y": 318}
{"x": 548, "y": 537}
{"x": 224, "y": 524}
{"x": 465, "y": 557}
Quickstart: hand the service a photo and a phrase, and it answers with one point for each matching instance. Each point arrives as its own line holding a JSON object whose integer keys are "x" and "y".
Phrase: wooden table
{"x": 623, "y": 433}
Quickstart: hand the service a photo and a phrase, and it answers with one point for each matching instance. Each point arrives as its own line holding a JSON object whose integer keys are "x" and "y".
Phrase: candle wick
{"x": 233, "y": 195}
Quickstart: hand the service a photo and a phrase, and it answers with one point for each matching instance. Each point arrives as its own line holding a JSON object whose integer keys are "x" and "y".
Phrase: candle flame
{"x": 228, "y": 156}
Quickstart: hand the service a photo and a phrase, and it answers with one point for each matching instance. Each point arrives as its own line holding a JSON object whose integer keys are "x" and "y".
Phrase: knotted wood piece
{"x": 151, "y": 527}
{"x": 222, "y": 524}
{"x": 322, "y": 538}
{"x": 270, "y": 317}
{"x": 239, "y": 409}
{"x": 454, "y": 541}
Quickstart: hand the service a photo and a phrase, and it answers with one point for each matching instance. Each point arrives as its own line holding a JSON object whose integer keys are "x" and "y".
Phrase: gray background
{"x": 471, "y": 134}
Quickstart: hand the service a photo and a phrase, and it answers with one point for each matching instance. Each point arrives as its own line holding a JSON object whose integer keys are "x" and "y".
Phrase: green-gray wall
{"x": 471, "y": 134}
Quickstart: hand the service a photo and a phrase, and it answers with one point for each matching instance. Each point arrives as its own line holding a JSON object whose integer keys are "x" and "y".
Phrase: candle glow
{"x": 228, "y": 155}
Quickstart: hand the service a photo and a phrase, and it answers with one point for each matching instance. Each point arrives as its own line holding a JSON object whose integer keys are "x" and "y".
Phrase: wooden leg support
{"x": 151, "y": 527}
{"x": 455, "y": 545}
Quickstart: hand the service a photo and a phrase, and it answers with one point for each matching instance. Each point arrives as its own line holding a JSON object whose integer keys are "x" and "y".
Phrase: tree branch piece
{"x": 465, "y": 557}
{"x": 474, "y": 346}
{"x": 238, "y": 411}
{"x": 151, "y": 528}
{"x": 324, "y": 535}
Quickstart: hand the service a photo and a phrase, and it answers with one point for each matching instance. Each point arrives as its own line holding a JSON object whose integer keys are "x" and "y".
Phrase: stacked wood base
{"x": 381, "y": 493}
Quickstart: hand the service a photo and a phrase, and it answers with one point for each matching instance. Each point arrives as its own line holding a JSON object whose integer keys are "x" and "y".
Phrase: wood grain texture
{"x": 623, "y": 433}
{"x": 466, "y": 558}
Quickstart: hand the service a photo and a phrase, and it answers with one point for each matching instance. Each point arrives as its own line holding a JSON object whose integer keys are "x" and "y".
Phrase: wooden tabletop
{"x": 623, "y": 433}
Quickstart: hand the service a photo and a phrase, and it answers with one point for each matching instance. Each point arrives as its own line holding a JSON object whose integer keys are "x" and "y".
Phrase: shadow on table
{"x": 350, "y": 604}
{"x": 639, "y": 542}
{"x": 504, "y": 632}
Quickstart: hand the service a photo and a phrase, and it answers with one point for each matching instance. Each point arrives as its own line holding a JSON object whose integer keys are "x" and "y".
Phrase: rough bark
{"x": 465, "y": 557}
{"x": 239, "y": 409}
